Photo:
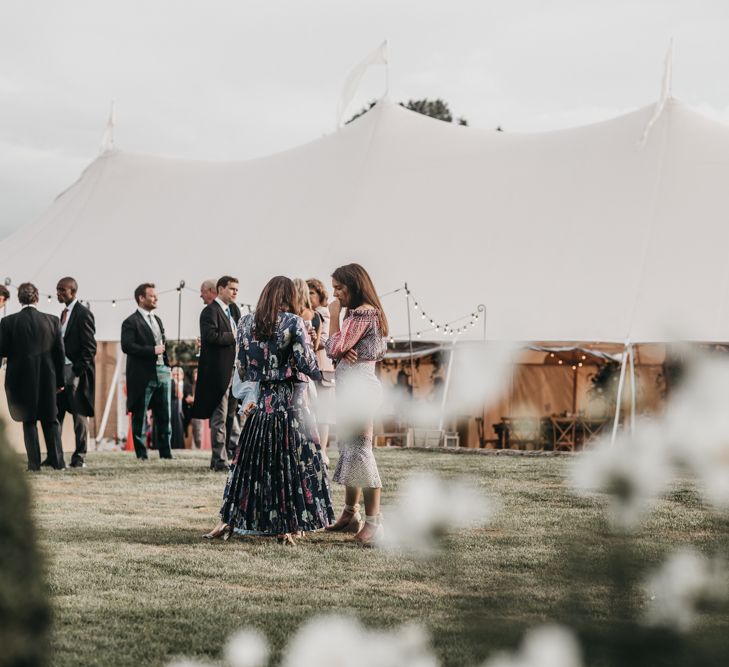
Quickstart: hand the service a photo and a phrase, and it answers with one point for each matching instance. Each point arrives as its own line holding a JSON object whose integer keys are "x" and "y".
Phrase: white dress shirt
{"x": 226, "y": 310}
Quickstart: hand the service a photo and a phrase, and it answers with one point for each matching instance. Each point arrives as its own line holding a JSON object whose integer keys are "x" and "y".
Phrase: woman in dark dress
{"x": 277, "y": 484}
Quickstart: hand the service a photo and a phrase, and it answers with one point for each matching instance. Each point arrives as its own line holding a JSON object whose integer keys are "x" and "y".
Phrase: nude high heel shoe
{"x": 222, "y": 531}
{"x": 372, "y": 532}
{"x": 350, "y": 521}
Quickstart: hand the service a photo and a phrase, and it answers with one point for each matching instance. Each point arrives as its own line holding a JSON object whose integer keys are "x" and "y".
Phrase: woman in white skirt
{"x": 356, "y": 347}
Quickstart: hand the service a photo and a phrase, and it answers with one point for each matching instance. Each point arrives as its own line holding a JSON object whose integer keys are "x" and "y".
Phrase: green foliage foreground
{"x": 133, "y": 583}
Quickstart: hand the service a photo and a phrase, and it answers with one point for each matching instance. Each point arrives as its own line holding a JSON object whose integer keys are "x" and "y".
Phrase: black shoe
{"x": 220, "y": 467}
{"x": 78, "y": 464}
{"x": 45, "y": 463}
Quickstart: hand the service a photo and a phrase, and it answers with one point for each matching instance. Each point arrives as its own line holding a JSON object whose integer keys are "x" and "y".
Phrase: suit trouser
{"x": 79, "y": 421}
{"x": 221, "y": 425}
{"x": 197, "y": 432}
{"x": 52, "y": 436}
{"x": 156, "y": 398}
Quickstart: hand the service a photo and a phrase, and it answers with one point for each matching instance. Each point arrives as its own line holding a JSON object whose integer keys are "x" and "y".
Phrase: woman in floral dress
{"x": 277, "y": 484}
{"x": 356, "y": 348}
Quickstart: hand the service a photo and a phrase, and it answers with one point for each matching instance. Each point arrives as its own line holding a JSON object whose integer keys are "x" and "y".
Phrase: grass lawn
{"x": 133, "y": 583}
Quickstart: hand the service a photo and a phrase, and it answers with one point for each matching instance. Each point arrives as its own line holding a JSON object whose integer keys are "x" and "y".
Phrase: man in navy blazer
{"x": 148, "y": 372}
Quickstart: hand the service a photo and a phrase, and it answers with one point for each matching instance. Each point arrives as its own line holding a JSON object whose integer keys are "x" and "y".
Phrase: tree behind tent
{"x": 437, "y": 109}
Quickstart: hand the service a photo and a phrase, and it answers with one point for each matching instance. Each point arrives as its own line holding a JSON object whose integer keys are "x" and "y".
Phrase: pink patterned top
{"x": 361, "y": 332}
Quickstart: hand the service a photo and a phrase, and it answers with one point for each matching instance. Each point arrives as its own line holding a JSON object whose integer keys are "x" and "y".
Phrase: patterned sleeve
{"x": 304, "y": 357}
{"x": 241, "y": 341}
{"x": 353, "y": 328}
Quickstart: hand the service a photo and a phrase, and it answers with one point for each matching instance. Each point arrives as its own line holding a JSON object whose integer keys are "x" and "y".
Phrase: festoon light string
{"x": 448, "y": 328}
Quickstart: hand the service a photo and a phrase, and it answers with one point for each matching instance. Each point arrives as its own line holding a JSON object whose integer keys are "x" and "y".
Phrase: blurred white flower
{"x": 697, "y": 421}
{"x": 480, "y": 374}
{"x": 246, "y": 648}
{"x": 547, "y": 646}
{"x": 429, "y": 506}
{"x": 633, "y": 471}
{"x": 341, "y": 641}
{"x": 684, "y": 582}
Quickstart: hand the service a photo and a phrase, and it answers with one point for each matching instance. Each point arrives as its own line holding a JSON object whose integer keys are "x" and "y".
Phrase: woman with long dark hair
{"x": 356, "y": 347}
{"x": 277, "y": 484}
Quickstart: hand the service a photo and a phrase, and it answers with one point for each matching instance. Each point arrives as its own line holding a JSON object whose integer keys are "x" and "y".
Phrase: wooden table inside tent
{"x": 557, "y": 433}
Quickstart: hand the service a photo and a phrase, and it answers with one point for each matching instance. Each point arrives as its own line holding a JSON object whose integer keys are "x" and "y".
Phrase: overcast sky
{"x": 238, "y": 79}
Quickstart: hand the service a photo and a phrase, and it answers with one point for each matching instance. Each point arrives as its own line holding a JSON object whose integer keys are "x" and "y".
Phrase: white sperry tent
{"x": 582, "y": 234}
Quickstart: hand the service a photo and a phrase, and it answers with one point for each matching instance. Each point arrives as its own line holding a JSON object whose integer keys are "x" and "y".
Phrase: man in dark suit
{"x": 31, "y": 341}
{"x": 214, "y": 399}
{"x": 148, "y": 372}
{"x": 79, "y": 372}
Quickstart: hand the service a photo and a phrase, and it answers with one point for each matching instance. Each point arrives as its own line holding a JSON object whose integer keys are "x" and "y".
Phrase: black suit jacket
{"x": 137, "y": 341}
{"x": 217, "y": 356}
{"x": 31, "y": 341}
{"x": 80, "y": 344}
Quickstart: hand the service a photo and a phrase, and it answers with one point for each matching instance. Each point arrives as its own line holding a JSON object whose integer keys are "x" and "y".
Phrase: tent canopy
{"x": 573, "y": 235}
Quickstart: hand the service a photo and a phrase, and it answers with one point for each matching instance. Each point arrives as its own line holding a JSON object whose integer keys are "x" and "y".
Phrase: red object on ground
{"x": 129, "y": 447}
{"x": 206, "y": 440}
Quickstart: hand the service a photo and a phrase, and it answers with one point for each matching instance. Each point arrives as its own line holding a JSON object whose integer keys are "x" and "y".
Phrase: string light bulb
{"x": 416, "y": 305}
{"x": 113, "y": 303}
{"x": 392, "y": 340}
{"x": 49, "y": 298}
{"x": 418, "y": 334}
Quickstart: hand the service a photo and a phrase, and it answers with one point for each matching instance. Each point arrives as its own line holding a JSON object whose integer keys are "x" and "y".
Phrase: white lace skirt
{"x": 359, "y": 394}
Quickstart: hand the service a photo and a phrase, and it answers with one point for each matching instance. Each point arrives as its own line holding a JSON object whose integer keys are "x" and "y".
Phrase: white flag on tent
{"x": 377, "y": 57}
{"x": 665, "y": 94}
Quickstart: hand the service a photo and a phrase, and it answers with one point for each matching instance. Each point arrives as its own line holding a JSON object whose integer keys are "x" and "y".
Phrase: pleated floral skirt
{"x": 277, "y": 483}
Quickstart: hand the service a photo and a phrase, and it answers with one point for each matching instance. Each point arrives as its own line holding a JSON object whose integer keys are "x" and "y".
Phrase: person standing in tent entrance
{"x": 356, "y": 347}
{"x": 278, "y": 484}
{"x": 32, "y": 343}
{"x": 79, "y": 372}
{"x": 148, "y": 372}
{"x": 213, "y": 397}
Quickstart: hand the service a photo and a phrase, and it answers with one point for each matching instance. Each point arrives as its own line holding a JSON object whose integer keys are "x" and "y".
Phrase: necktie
{"x": 64, "y": 316}
{"x": 155, "y": 330}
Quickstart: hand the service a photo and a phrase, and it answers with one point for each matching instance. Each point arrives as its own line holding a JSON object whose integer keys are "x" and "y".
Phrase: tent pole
{"x": 619, "y": 397}
{"x": 110, "y": 396}
{"x": 410, "y": 341}
{"x": 447, "y": 385}
{"x": 179, "y": 309}
{"x": 631, "y": 361}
